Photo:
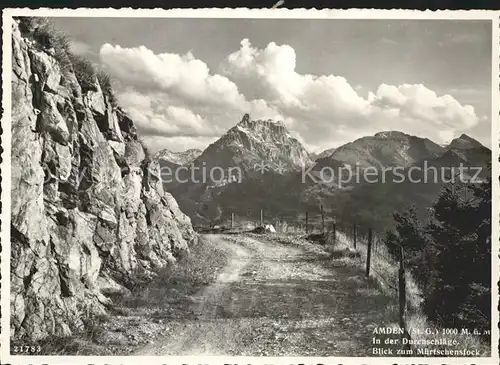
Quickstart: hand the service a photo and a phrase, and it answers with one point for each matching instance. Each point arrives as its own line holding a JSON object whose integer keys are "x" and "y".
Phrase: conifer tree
{"x": 450, "y": 257}
{"x": 411, "y": 235}
{"x": 458, "y": 290}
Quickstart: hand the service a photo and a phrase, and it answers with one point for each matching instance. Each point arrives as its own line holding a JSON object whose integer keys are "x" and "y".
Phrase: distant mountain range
{"x": 272, "y": 163}
{"x": 178, "y": 158}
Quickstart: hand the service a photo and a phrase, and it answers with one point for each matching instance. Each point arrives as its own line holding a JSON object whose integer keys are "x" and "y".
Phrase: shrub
{"x": 85, "y": 72}
{"x": 45, "y": 33}
{"x": 176, "y": 283}
{"x": 49, "y": 37}
{"x": 105, "y": 82}
{"x": 65, "y": 64}
{"x": 40, "y": 29}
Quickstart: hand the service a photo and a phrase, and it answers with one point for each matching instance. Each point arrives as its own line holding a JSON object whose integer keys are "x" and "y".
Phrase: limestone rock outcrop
{"x": 89, "y": 216}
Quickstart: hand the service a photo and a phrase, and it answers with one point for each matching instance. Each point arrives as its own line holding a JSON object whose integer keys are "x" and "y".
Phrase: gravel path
{"x": 277, "y": 299}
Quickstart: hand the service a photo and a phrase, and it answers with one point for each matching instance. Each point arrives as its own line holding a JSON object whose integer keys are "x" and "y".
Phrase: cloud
{"x": 154, "y": 114}
{"x": 418, "y": 103}
{"x": 178, "y": 99}
{"x": 181, "y": 75}
{"x": 172, "y": 95}
{"x": 270, "y": 73}
{"x": 327, "y": 107}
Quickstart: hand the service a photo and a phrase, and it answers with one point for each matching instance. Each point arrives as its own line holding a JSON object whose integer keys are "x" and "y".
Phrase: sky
{"x": 186, "y": 81}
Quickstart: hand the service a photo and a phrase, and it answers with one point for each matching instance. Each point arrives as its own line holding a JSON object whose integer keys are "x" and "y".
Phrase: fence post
{"x": 402, "y": 290}
{"x": 307, "y": 222}
{"x": 232, "y": 220}
{"x": 369, "y": 253}
{"x": 354, "y": 233}
{"x": 334, "y": 229}
{"x": 322, "y": 220}
{"x": 261, "y": 218}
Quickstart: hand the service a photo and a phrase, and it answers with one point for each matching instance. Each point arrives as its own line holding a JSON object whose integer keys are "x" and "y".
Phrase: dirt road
{"x": 278, "y": 299}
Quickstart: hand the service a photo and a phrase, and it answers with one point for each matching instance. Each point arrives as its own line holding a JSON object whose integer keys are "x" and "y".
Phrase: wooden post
{"x": 402, "y": 290}
{"x": 369, "y": 253}
{"x": 232, "y": 220}
{"x": 307, "y": 222}
{"x": 334, "y": 229}
{"x": 261, "y": 218}
{"x": 322, "y": 220}
{"x": 354, "y": 235}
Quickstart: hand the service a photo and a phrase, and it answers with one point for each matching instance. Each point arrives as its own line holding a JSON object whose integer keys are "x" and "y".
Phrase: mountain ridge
{"x": 179, "y": 158}
{"x": 385, "y": 149}
{"x": 285, "y": 193}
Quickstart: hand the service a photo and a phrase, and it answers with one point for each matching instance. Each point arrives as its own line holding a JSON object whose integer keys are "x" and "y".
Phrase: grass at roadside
{"x": 175, "y": 284}
{"x": 136, "y": 319}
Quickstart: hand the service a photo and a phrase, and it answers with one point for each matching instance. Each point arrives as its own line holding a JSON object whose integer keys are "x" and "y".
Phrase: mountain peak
{"x": 391, "y": 134}
{"x": 464, "y": 142}
{"x": 248, "y": 122}
{"x": 256, "y": 141}
{"x": 246, "y": 118}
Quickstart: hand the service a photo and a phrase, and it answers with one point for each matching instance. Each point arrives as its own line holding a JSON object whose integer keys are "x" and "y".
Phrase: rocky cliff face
{"x": 89, "y": 215}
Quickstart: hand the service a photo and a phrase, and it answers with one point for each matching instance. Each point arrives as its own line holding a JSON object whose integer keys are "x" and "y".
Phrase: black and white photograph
{"x": 212, "y": 184}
